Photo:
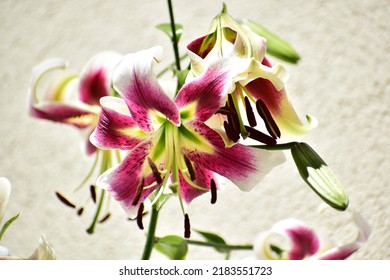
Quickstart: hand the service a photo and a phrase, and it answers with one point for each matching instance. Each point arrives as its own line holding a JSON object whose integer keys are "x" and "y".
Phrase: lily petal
{"x": 116, "y": 129}
{"x": 124, "y": 180}
{"x": 44, "y": 251}
{"x": 134, "y": 80}
{"x": 203, "y": 179}
{"x": 274, "y": 95}
{"x": 340, "y": 253}
{"x": 95, "y": 81}
{"x": 5, "y": 192}
{"x": 244, "y": 166}
{"x": 63, "y": 113}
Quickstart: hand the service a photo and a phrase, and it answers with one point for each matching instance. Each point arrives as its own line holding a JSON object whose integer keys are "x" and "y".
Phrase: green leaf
{"x": 7, "y": 224}
{"x": 316, "y": 173}
{"x": 172, "y": 246}
{"x": 181, "y": 78}
{"x": 214, "y": 238}
{"x": 166, "y": 28}
{"x": 276, "y": 46}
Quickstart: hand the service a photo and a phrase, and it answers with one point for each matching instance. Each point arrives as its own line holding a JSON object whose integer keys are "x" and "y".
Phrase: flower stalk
{"x": 174, "y": 37}
{"x": 150, "y": 239}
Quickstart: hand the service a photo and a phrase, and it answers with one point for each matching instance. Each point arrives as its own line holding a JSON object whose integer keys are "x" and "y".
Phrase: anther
{"x": 187, "y": 226}
{"x": 80, "y": 211}
{"x": 213, "y": 189}
{"x": 249, "y": 112}
{"x": 92, "y": 190}
{"x": 233, "y": 117}
{"x": 190, "y": 168}
{"x": 230, "y": 132}
{"x": 270, "y": 123}
{"x": 259, "y": 136}
{"x": 140, "y": 215}
{"x": 138, "y": 193}
{"x": 64, "y": 200}
{"x": 105, "y": 218}
{"x": 155, "y": 171}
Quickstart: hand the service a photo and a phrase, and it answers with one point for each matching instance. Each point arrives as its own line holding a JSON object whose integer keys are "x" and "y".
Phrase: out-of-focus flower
{"x": 260, "y": 86}
{"x": 167, "y": 139}
{"x": 71, "y": 98}
{"x": 44, "y": 251}
{"x": 304, "y": 243}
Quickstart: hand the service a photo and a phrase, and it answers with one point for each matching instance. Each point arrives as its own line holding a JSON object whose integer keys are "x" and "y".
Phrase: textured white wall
{"x": 342, "y": 79}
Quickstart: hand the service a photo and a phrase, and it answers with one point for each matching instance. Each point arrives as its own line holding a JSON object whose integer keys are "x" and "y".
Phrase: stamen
{"x": 260, "y": 136}
{"x": 155, "y": 171}
{"x": 190, "y": 168}
{"x": 105, "y": 218}
{"x": 93, "y": 193}
{"x": 140, "y": 215}
{"x": 187, "y": 226}
{"x": 213, "y": 189}
{"x": 138, "y": 193}
{"x": 80, "y": 211}
{"x": 270, "y": 123}
{"x": 64, "y": 200}
{"x": 249, "y": 112}
{"x": 230, "y": 132}
{"x": 233, "y": 117}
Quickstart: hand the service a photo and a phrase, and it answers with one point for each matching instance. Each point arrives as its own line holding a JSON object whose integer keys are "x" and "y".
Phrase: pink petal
{"x": 134, "y": 80}
{"x": 123, "y": 181}
{"x": 115, "y": 130}
{"x": 279, "y": 105}
{"x": 305, "y": 242}
{"x": 202, "y": 178}
{"x": 207, "y": 93}
{"x": 95, "y": 79}
{"x": 199, "y": 47}
{"x": 63, "y": 113}
{"x": 340, "y": 253}
{"x": 243, "y": 165}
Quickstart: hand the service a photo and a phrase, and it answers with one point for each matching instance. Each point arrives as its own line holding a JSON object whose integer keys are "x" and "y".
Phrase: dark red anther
{"x": 140, "y": 215}
{"x": 187, "y": 226}
{"x": 80, "y": 211}
{"x": 260, "y": 136}
{"x": 105, "y": 218}
{"x": 138, "y": 193}
{"x": 230, "y": 132}
{"x": 270, "y": 123}
{"x": 249, "y": 112}
{"x": 213, "y": 189}
{"x": 190, "y": 168}
{"x": 92, "y": 190}
{"x": 64, "y": 200}
{"x": 155, "y": 171}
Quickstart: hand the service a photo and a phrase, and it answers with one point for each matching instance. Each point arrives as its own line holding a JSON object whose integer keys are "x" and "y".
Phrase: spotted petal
{"x": 95, "y": 81}
{"x": 244, "y": 166}
{"x": 124, "y": 180}
{"x": 5, "y": 192}
{"x": 134, "y": 80}
{"x": 116, "y": 129}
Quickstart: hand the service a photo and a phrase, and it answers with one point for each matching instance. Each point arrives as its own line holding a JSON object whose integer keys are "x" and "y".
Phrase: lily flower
{"x": 167, "y": 138}
{"x": 261, "y": 86}
{"x": 71, "y": 98}
{"x": 304, "y": 243}
{"x": 44, "y": 251}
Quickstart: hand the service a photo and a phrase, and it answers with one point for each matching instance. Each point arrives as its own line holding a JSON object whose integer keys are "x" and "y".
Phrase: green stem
{"x": 150, "y": 239}
{"x": 174, "y": 37}
{"x": 285, "y": 146}
{"x": 220, "y": 246}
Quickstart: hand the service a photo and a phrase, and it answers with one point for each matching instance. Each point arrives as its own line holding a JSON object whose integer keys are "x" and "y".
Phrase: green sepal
{"x": 276, "y": 46}
{"x": 7, "y": 224}
{"x": 214, "y": 239}
{"x": 166, "y": 28}
{"x": 316, "y": 173}
{"x": 172, "y": 246}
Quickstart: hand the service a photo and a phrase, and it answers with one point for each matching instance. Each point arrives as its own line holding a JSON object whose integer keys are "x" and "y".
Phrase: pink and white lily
{"x": 304, "y": 243}
{"x": 60, "y": 95}
{"x": 168, "y": 142}
{"x": 262, "y": 85}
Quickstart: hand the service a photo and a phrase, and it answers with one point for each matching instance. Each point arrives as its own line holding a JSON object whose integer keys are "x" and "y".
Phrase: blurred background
{"x": 342, "y": 79}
